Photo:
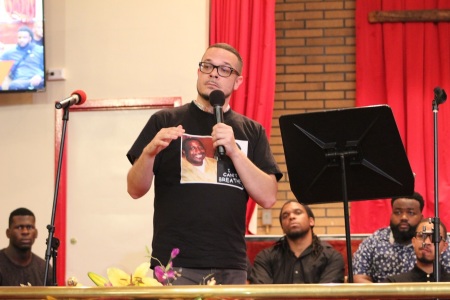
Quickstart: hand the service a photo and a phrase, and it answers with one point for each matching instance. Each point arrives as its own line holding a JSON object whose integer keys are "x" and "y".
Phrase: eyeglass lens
{"x": 423, "y": 236}
{"x": 223, "y": 71}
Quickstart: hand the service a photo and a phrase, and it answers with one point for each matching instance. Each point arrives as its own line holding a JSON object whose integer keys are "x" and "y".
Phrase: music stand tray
{"x": 345, "y": 155}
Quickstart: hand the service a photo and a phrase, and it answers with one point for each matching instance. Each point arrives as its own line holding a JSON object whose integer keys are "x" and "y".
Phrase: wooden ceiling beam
{"x": 434, "y": 15}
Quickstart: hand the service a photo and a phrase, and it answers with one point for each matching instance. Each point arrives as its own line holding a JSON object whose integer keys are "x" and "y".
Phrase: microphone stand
{"x": 52, "y": 242}
{"x": 439, "y": 98}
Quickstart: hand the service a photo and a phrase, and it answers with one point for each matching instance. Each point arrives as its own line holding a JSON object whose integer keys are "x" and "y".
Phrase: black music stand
{"x": 345, "y": 155}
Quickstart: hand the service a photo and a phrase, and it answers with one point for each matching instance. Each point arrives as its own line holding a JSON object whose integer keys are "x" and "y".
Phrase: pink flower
{"x": 174, "y": 253}
{"x": 164, "y": 275}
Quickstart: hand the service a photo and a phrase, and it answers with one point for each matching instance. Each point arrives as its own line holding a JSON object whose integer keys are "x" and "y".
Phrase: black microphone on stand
{"x": 439, "y": 95}
{"x": 217, "y": 100}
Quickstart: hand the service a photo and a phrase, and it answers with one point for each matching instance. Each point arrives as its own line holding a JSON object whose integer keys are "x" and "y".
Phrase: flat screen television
{"x": 22, "y": 48}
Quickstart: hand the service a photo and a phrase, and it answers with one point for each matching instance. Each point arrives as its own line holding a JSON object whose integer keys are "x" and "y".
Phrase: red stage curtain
{"x": 23, "y": 10}
{"x": 249, "y": 26}
{"x": 400, "y": 64}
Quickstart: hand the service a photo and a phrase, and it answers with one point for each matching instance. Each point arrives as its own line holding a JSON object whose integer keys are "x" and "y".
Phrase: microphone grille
{"x": 217, "y": 98}
{"x": 80, "y": 94}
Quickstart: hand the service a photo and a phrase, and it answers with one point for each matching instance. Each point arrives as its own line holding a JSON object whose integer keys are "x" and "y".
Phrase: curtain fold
{"x": 249, "y": 26}
{"x": 400, "y": 64}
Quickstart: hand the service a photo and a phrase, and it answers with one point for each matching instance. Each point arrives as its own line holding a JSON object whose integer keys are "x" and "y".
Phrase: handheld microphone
{"x": 217, "y": 100}
{"x": 78, "y": 97}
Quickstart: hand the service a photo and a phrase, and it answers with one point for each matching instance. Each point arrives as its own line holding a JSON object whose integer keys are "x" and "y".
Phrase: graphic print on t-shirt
{"x": 200, "y": 164}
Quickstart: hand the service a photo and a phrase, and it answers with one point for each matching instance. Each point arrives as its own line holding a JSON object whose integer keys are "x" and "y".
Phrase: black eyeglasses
{"x": 223, "y": 71}
{"x": 422, "y": 236}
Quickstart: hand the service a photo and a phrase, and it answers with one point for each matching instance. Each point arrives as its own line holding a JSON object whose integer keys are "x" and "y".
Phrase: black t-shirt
{"x": 206, "y": 221}
{"x": 14, "y": 275}
{"x": 418, "y": 275}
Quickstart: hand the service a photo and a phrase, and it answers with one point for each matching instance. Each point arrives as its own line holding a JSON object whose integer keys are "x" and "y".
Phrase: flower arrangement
{"x": 117, "y": 277}
{"x": 165, "y": 275}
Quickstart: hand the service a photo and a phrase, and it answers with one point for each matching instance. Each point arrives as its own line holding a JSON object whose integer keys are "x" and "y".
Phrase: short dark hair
{"x": 190, "y": 139}
{"x": 233, "y": 50}
{"x": 27, "y": 29}
{"x": 308, "y": 210}
{"x": 316, "y": 244}
{"x": 414, "y": 196}
{"x": 22, "y": 211}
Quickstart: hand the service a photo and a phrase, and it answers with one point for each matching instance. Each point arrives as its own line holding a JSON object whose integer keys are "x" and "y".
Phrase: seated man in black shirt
{"x": 299, "y": 256}
{"x": 18, "y": 264}
{"x": 425, "y": 253}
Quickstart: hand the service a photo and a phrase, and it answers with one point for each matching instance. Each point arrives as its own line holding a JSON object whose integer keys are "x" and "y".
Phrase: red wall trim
{"x": 91, "y": 105}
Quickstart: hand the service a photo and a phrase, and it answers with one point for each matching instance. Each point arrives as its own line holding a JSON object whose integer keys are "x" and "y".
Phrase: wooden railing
{"x": 439, "y": 290}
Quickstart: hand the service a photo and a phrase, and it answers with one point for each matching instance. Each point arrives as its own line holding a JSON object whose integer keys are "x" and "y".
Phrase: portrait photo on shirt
{"x": 198, "y": 164}
{"x": 201, "y": 164}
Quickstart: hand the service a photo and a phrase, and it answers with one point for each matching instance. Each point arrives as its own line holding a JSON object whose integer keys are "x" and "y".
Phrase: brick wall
{"x": 315, "y": 71}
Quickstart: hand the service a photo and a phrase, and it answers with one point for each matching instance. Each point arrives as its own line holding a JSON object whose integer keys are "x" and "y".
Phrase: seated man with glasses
{"x": 424, "y": 248}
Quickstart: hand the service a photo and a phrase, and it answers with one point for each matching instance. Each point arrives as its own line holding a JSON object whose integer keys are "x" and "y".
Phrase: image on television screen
{"x": 22, "y": 48}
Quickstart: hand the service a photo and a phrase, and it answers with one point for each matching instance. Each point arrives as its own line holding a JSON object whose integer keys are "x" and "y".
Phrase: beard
{"x": 402, "y": 236}
{"x": 203, "y": 95}
{"x": 425, "y": 260}
{"x": 206, "y": 96}
{"x": 294, "y": 235}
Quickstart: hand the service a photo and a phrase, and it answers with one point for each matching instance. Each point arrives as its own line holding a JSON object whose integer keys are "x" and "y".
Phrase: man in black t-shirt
{"x": 204, "y": 220}
{"x": 18, "y": 264}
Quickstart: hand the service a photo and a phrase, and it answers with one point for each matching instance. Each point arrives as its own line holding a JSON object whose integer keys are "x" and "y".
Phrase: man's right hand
{"x": 140, "y": 176}
{"x": 162, "y": 140}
